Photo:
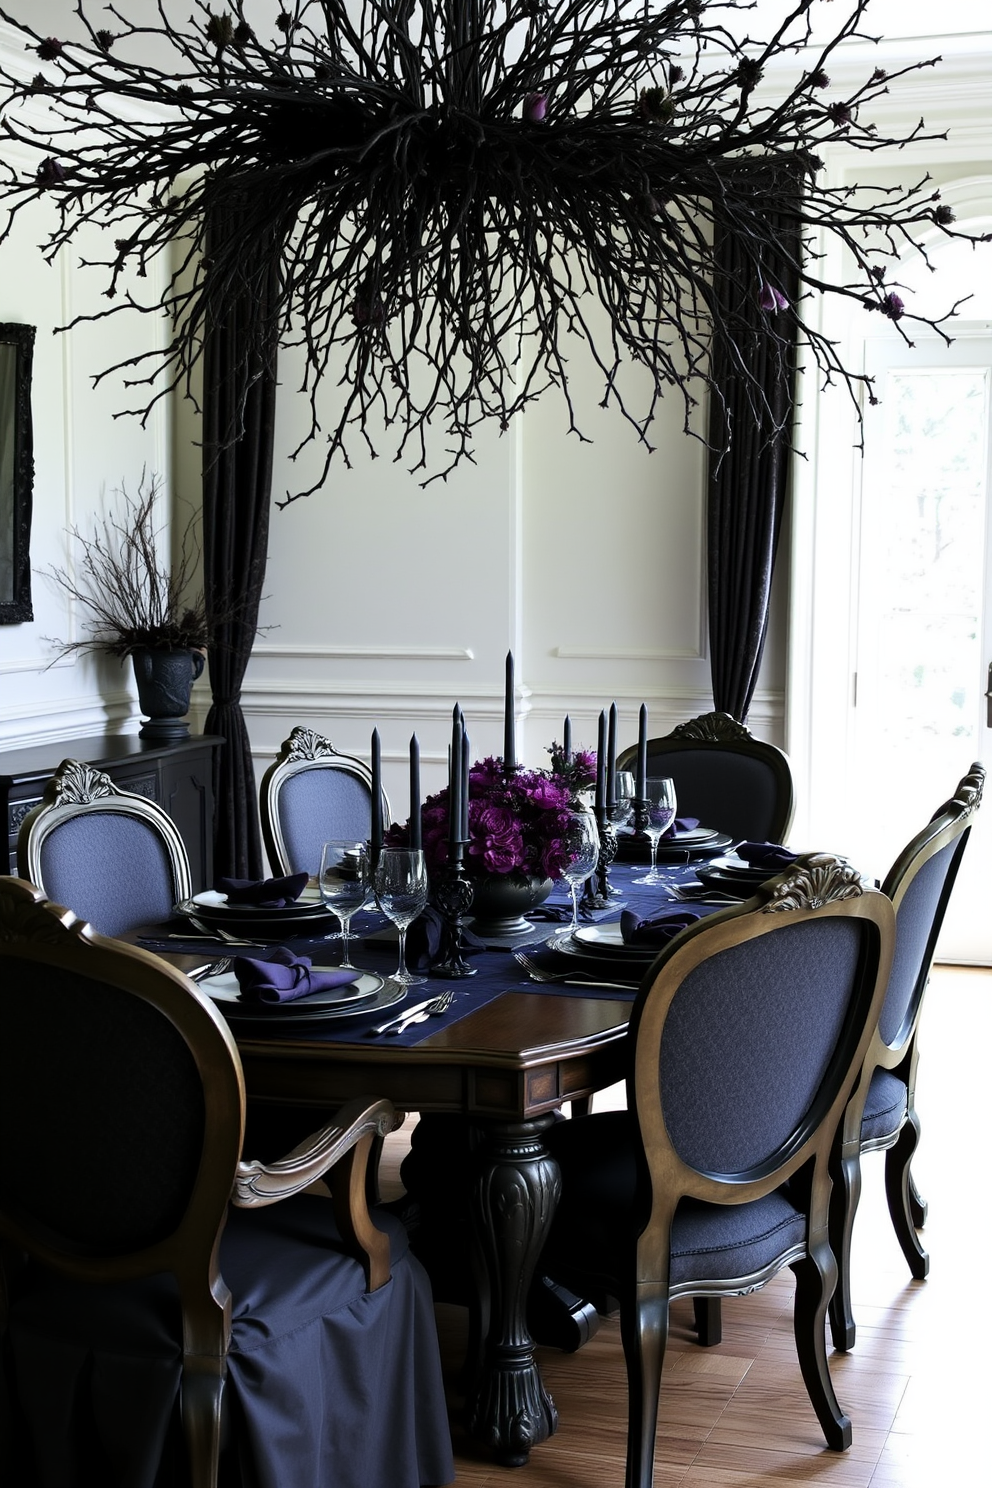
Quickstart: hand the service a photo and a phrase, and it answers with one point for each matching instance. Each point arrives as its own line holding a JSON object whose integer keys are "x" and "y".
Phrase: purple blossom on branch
{"x": 893, "y": 306}
{"x": 772, "y": 299}
{"x": 535, "y": 107}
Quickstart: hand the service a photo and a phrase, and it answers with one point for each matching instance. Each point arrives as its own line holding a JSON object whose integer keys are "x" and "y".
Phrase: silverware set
{"x": 567, "y": 979}
{"x": 417, "y": 1014}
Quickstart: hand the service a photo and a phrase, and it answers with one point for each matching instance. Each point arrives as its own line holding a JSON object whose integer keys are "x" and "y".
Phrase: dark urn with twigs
{"x": 138, "y": 603}
{"x": 450, "y": 185}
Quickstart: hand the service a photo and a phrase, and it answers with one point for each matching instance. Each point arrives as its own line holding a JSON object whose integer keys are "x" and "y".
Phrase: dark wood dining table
{"x": 506, "y": 1065}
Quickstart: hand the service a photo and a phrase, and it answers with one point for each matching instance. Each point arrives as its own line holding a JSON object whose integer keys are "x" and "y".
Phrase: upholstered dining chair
{"x": 746, "y": 1039}
{"x": 311, "y": 793}
{"x": 882, "y": 1115}
{"x": 168, "y": 1296}
{"x": 724, "y": 776}
{"x": 115, "y": 858}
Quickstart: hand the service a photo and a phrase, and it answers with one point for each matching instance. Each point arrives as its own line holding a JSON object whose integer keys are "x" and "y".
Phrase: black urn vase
{"x": 165, "y": 680}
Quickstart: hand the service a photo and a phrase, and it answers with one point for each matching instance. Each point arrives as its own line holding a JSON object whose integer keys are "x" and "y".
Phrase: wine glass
{"x": 581, "y": 839}
{"x": 622, "y": 813}
{"x": 659, "y": 793}
{"x": 400, "y": 882}
{"x": 344, "y": 883}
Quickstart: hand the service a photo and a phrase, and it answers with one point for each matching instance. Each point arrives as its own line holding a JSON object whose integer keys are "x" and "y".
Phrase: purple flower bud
{"x": 535, "y": 107}
{"x": 50, "y": 173}
{"x": 818, "y": 79}
{"x": 893, "y": 307}
{"x": 781, "y": 303}
{"x": 943, "y": 215}
{"x": 105, "y": 40}
{"x": 766, "y": 298}
{"x": 49, "y": 49}
{"x": 675, "y": 74}
{"x": 839, "y": 114}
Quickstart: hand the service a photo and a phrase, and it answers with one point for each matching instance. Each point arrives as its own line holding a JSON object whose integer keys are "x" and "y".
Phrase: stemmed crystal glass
{"x": 622, "y": 813}
{"x": 581, "y": 838}
{"x": 659, "y": 792}
{"x": 400, "y": 882}
{"x": 344, "y": 883}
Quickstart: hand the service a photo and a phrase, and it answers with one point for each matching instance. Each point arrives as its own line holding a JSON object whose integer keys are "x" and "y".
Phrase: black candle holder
{"x": 598, "y": 896}
{"x": 453, "y": 895}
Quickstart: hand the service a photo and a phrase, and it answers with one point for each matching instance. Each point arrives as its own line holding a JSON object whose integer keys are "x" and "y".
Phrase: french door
{"x": 923, "y": 635}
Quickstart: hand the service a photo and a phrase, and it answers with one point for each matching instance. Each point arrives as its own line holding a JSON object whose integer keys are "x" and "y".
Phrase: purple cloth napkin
{"x": 770, "y": 855}
{"x": 680, "y": 824}
{"x": 659, "y": 929}
{"x": 282, "y": 977}
{"x": 267, "y": 893}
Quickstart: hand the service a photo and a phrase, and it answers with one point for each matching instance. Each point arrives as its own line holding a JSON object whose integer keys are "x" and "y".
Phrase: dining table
{"x": 506, "y": 1055}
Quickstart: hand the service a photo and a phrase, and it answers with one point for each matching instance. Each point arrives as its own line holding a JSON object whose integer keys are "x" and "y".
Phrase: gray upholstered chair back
{"x": 749, "y": 1040}
{"x": 309, "y": 794}
{"x": 724, "y": 776}
{"x": 113, "y": 857}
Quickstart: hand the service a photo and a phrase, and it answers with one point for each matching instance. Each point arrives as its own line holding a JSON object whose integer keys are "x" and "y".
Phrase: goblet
{"x": 657, "y": 816}
{"x": 400, "y": 883}
{"x": 622, "y": 813}
{"x": 344, "y": 883}
{"x": 582, "y": 844}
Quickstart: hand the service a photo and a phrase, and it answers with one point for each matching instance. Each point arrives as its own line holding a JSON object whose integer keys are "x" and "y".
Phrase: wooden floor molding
{"x": 916, "y": 1385}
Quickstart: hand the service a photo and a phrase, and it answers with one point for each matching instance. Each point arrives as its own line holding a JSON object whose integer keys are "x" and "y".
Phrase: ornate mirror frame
{"x": 16, "y": 472}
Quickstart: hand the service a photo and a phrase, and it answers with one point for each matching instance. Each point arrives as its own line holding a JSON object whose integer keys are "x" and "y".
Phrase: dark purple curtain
{"x": 239, "y": 395}
{"x": 747, "y": 485}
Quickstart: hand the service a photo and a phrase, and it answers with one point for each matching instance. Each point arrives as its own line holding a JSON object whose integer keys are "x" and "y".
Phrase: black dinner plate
{"x": 368, "y": 995}
{"x": 698, "y": 842}
{"x": 257, "y": 920}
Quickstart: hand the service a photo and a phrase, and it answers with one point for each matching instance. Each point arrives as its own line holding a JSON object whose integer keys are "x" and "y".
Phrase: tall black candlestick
{"x": 566, "y": 740}
{"x": 601, "y": 766}
{"x": 641, "y": 784}
{"x": 376, "y": 793}
{"x": 611, "y": 761}
{"x": 455, "y": 779}
{"x": 466, "y": 768}
{"x": 509, "y": 745}
{"x": 415, "y": 838}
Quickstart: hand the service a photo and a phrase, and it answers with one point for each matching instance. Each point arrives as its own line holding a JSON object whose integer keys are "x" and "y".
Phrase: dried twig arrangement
{"x": 133, "y": 595}
{"x": 453, "y": 181}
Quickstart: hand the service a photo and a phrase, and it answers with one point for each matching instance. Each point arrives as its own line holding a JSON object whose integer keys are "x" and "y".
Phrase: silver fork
{"x": 538, "y": 974}
{"x": 216, "y": 968}
{"x": 223, "y": 935}
{"x": 439, "y": 1004}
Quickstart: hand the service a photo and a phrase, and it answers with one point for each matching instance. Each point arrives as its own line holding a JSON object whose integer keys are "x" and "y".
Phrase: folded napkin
{"x": 283, "y": 977}
{"x": 770, "y": 855}
{"x": 423, "y": 940}
{"x": 680, "y": 824}
{"x": 267, "y": 893}
{"x": 561, "y": 914}
{"x": 659, "y": 929}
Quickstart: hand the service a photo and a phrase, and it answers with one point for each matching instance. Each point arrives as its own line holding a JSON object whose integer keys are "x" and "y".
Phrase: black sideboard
{"x": 177, "y": 777}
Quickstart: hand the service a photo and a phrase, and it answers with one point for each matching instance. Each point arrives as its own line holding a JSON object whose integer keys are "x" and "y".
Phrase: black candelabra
{"x": 596, "y": 893}
{"x": 453, "y": 895}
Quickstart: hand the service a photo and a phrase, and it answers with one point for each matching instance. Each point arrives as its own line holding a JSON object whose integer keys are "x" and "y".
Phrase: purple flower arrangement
{"x": 516, "y": 818}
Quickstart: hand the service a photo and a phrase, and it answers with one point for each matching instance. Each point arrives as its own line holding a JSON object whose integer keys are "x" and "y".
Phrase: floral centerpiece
{"x": 516, "y": 818}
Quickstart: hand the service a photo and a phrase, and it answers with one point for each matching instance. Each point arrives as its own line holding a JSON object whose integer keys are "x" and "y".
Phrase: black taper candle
{"x": 601, "y": 765}
{"x": 509, "y": 743}
{"x": 611, "y": 760}
{"x": 641, "y": 784}
{"x": 466, "y": 769}
{"x": 376, "y": 793}
{"x": 566, "y": 740}
{"x": 414, "y": 834}
{"x": 454, "y": 778}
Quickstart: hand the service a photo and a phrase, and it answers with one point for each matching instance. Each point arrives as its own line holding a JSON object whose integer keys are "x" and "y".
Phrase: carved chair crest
{"x": 969, "y": 792}
{"x": 814, "y": 880}
{"x": 306, "y": 744}
{"x": 715, "y": 727}
{"x": 76, "y": 784}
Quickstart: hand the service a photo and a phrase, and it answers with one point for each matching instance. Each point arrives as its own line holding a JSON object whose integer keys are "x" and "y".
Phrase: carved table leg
{"x": 513, "y": 1202}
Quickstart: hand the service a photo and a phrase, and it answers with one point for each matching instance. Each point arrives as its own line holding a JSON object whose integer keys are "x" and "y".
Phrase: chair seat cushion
{"x": 598, "y": 1214}
{"x": 335, "y": 1386}
{"x": 885, "y": 1107}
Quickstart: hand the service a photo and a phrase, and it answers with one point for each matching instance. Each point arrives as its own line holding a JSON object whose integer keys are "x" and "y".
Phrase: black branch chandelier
{"x": 451, "y": 185}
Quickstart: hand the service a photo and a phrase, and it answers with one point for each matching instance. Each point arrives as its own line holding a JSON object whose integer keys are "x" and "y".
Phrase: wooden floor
{"x": 917, "y": 1385}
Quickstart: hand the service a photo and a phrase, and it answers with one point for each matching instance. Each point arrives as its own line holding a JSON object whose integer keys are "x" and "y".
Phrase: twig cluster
{"x": 453, "y": 183}
{"x": 133, "y": 596}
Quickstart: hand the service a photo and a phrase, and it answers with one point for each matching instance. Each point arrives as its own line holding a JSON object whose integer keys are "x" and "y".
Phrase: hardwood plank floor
{"x": 916, "y": 1385}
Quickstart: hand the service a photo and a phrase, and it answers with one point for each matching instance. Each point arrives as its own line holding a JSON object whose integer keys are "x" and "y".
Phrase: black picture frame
{"x": 16, "y": 472}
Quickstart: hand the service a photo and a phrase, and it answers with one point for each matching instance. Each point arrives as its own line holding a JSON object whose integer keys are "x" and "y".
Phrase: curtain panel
{"x": 747, "y": 485}
{"x": 239, "y": 393}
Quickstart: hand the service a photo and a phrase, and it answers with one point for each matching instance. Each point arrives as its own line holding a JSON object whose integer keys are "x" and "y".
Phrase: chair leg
{"x": 708, "y": 1317}
{"x": 644, "y": 1333}
{"x": 202, "y": 1396}
{"x": 845, "y": 1194}
{"x": 816, "y": 1276}
{"x": 917, "y": 1204}
{"x": 899, "y": 1192}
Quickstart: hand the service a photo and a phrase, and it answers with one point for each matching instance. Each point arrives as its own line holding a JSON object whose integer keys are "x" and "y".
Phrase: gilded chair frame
{"x": 77, "y": 789}
{"x": 36, "y": 932}
{"x": 950, "y": 824}
{"x": 304, "y": 750}
{"x": 720, "y": 734}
